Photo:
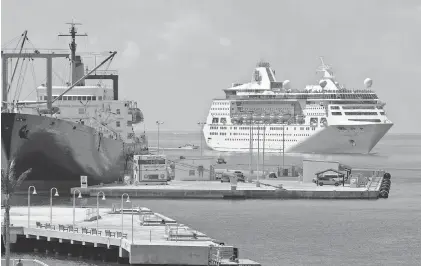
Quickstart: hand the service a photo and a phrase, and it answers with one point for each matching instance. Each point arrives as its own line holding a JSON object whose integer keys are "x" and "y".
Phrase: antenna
{"x": 324, "y": 68}
{"x": 73, "y": 45}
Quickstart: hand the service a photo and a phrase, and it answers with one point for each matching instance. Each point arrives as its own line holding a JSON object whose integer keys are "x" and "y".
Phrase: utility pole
{"x": 264, "y": 143}
{"x": 258, "y": 155}
{"x": 158, "y": 123}
{"x": 251, "y": 146}
{"x": 201, "y": 124}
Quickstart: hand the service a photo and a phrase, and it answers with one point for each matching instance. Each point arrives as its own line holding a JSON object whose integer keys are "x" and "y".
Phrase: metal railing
{"x": 25, "y": 262}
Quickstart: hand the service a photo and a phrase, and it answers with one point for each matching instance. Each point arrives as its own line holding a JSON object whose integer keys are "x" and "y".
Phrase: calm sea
{"x": 304, "y": 232}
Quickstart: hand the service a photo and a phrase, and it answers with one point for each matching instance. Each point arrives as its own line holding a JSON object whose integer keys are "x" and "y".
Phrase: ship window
{"x": 99, "y": 98}
{"x": 83, "y": 98}
{"x": 81, "y": 111}
{"x": 89, "y": 98}
{"x": 365, "y": 120}
{"x": 117, "y": 111}
{"x": 381, "y": 113}
{"x": 215, "y": 120}
{"x": 336, "y": 113}
{"x": 117, "y": 123}
{"x": 334, "y": 107}
{"x": 79, "y": 98}
{"x": 93, "y": 98}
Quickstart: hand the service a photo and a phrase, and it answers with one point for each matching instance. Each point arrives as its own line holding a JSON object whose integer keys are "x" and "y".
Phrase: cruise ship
{"x": 71, "y": 130}
{"x": 267, "y": 114}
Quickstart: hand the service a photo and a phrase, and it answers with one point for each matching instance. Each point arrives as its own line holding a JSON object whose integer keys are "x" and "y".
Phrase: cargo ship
{"x": 71, "y": 130}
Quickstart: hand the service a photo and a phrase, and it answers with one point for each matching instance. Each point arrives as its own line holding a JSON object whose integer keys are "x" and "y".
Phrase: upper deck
{"x": 264, "y": 85}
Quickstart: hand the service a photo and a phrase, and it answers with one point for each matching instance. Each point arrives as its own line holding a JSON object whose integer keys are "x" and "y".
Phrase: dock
{"x": 268, "y": 189}
{"x": 147, "y": 238}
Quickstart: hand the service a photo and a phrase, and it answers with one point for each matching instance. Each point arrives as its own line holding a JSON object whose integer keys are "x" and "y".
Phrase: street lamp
{"x": 258, "y": 155}
{"x": 74, "y": 202}
{"x": 29, "y": 202}
{"x": 132, "y": 223}
{"x": 250, "y": 118}
{"x": 51, "y": 203}
{"x": 158, "y": 123}
{"x": 97, "y": 207}
{"x": 121, "y": 210}
{"x": 201, "y": 124}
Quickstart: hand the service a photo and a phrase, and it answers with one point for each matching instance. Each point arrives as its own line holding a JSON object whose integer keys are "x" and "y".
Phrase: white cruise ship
{"x": 323, "y": 118}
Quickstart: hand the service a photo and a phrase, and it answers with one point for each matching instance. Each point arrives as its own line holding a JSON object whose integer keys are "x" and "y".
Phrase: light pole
{"x": 97, "y": 207}
{"x": 158, "y": 123}
{"x": 132, "y": 223}
{"x": 264, "y": 143}
{"x": 250, "y": 144}
{"x": 201, "y": 124}
{"x": 121, "y": 210}
{"x": 74, "y": 202}
{"x": 29, "y": 202}
{"x": 258, "y": 155}
{"x": 51, "y": 203}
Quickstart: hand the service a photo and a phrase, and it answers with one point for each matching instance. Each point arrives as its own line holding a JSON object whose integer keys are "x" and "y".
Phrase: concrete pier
{"x": 269, "y": 189}
{"x": 156, "y": 239}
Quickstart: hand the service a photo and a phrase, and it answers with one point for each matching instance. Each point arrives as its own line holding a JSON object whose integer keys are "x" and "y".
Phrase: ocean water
{"x": 302, "y": 232}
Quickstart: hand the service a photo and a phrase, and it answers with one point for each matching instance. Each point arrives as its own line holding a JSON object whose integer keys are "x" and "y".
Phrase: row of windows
{"x": 216, "y": 114}
{"x": 221, "y": 103}
{"x": 247, "y": 134}
{"x": 220, "y": 109}
{"x": 357, "y": 113}
{"x": 277, "y": 140}
{"x": 357, "y": 107}
{"x": 360, "y": 113}
{"x": 320, "y": 96}
{"x": 315, "y": 113}
{"x": 81, "y": 111}
{"x": 261, "y": 129}
{"x": 365, "y": 120}
{"x": 73, "y": 98}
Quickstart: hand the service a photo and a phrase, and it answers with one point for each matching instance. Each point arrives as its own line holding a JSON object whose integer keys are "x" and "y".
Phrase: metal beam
{"x": 113, "y": 77}
{"x": 5, "y": 82}
{"x": 49, "y": 82}
{"x": 32, "y": 55}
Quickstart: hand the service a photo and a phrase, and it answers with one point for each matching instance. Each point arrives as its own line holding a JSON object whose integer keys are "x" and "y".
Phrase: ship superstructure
{"x": 70, "y": 130}
{"x": 323, "y": 118}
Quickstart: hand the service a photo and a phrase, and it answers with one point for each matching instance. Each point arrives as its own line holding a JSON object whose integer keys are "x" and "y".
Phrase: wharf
{"x": 156, "y": 239}
{"x": 269, "y": 189}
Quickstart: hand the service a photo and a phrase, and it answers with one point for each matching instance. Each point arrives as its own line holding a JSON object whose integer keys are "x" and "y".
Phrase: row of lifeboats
{"x": 385, "y": 186}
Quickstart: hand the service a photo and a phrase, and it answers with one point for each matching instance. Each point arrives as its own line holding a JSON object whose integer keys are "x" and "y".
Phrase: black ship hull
{"x": 59, "y": 152}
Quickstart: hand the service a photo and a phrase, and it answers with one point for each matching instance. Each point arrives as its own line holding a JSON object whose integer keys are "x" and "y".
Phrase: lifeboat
{"x": 137, "y": 115}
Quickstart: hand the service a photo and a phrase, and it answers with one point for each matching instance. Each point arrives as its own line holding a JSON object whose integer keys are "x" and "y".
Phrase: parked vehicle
{"x": 240, "y": 176}
{"x": 328, "y": 180}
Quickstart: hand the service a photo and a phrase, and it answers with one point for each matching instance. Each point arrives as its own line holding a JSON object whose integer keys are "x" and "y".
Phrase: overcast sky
{"x": 175, "y": 56}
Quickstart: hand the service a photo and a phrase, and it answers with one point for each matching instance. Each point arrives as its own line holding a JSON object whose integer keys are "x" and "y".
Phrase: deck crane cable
{"x": 19, "y": 79}
{"x": 23, "y": 75}
{"x": 4, "y": 46}
{"x": 23, "y": 36}
{"x": 34, "y": 79}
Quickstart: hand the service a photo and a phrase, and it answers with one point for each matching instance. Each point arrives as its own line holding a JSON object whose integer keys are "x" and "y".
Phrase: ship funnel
{"x": 79, "y": 70}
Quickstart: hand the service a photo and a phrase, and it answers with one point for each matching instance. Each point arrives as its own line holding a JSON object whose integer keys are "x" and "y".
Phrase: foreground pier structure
{"x": 136, "y": 236}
